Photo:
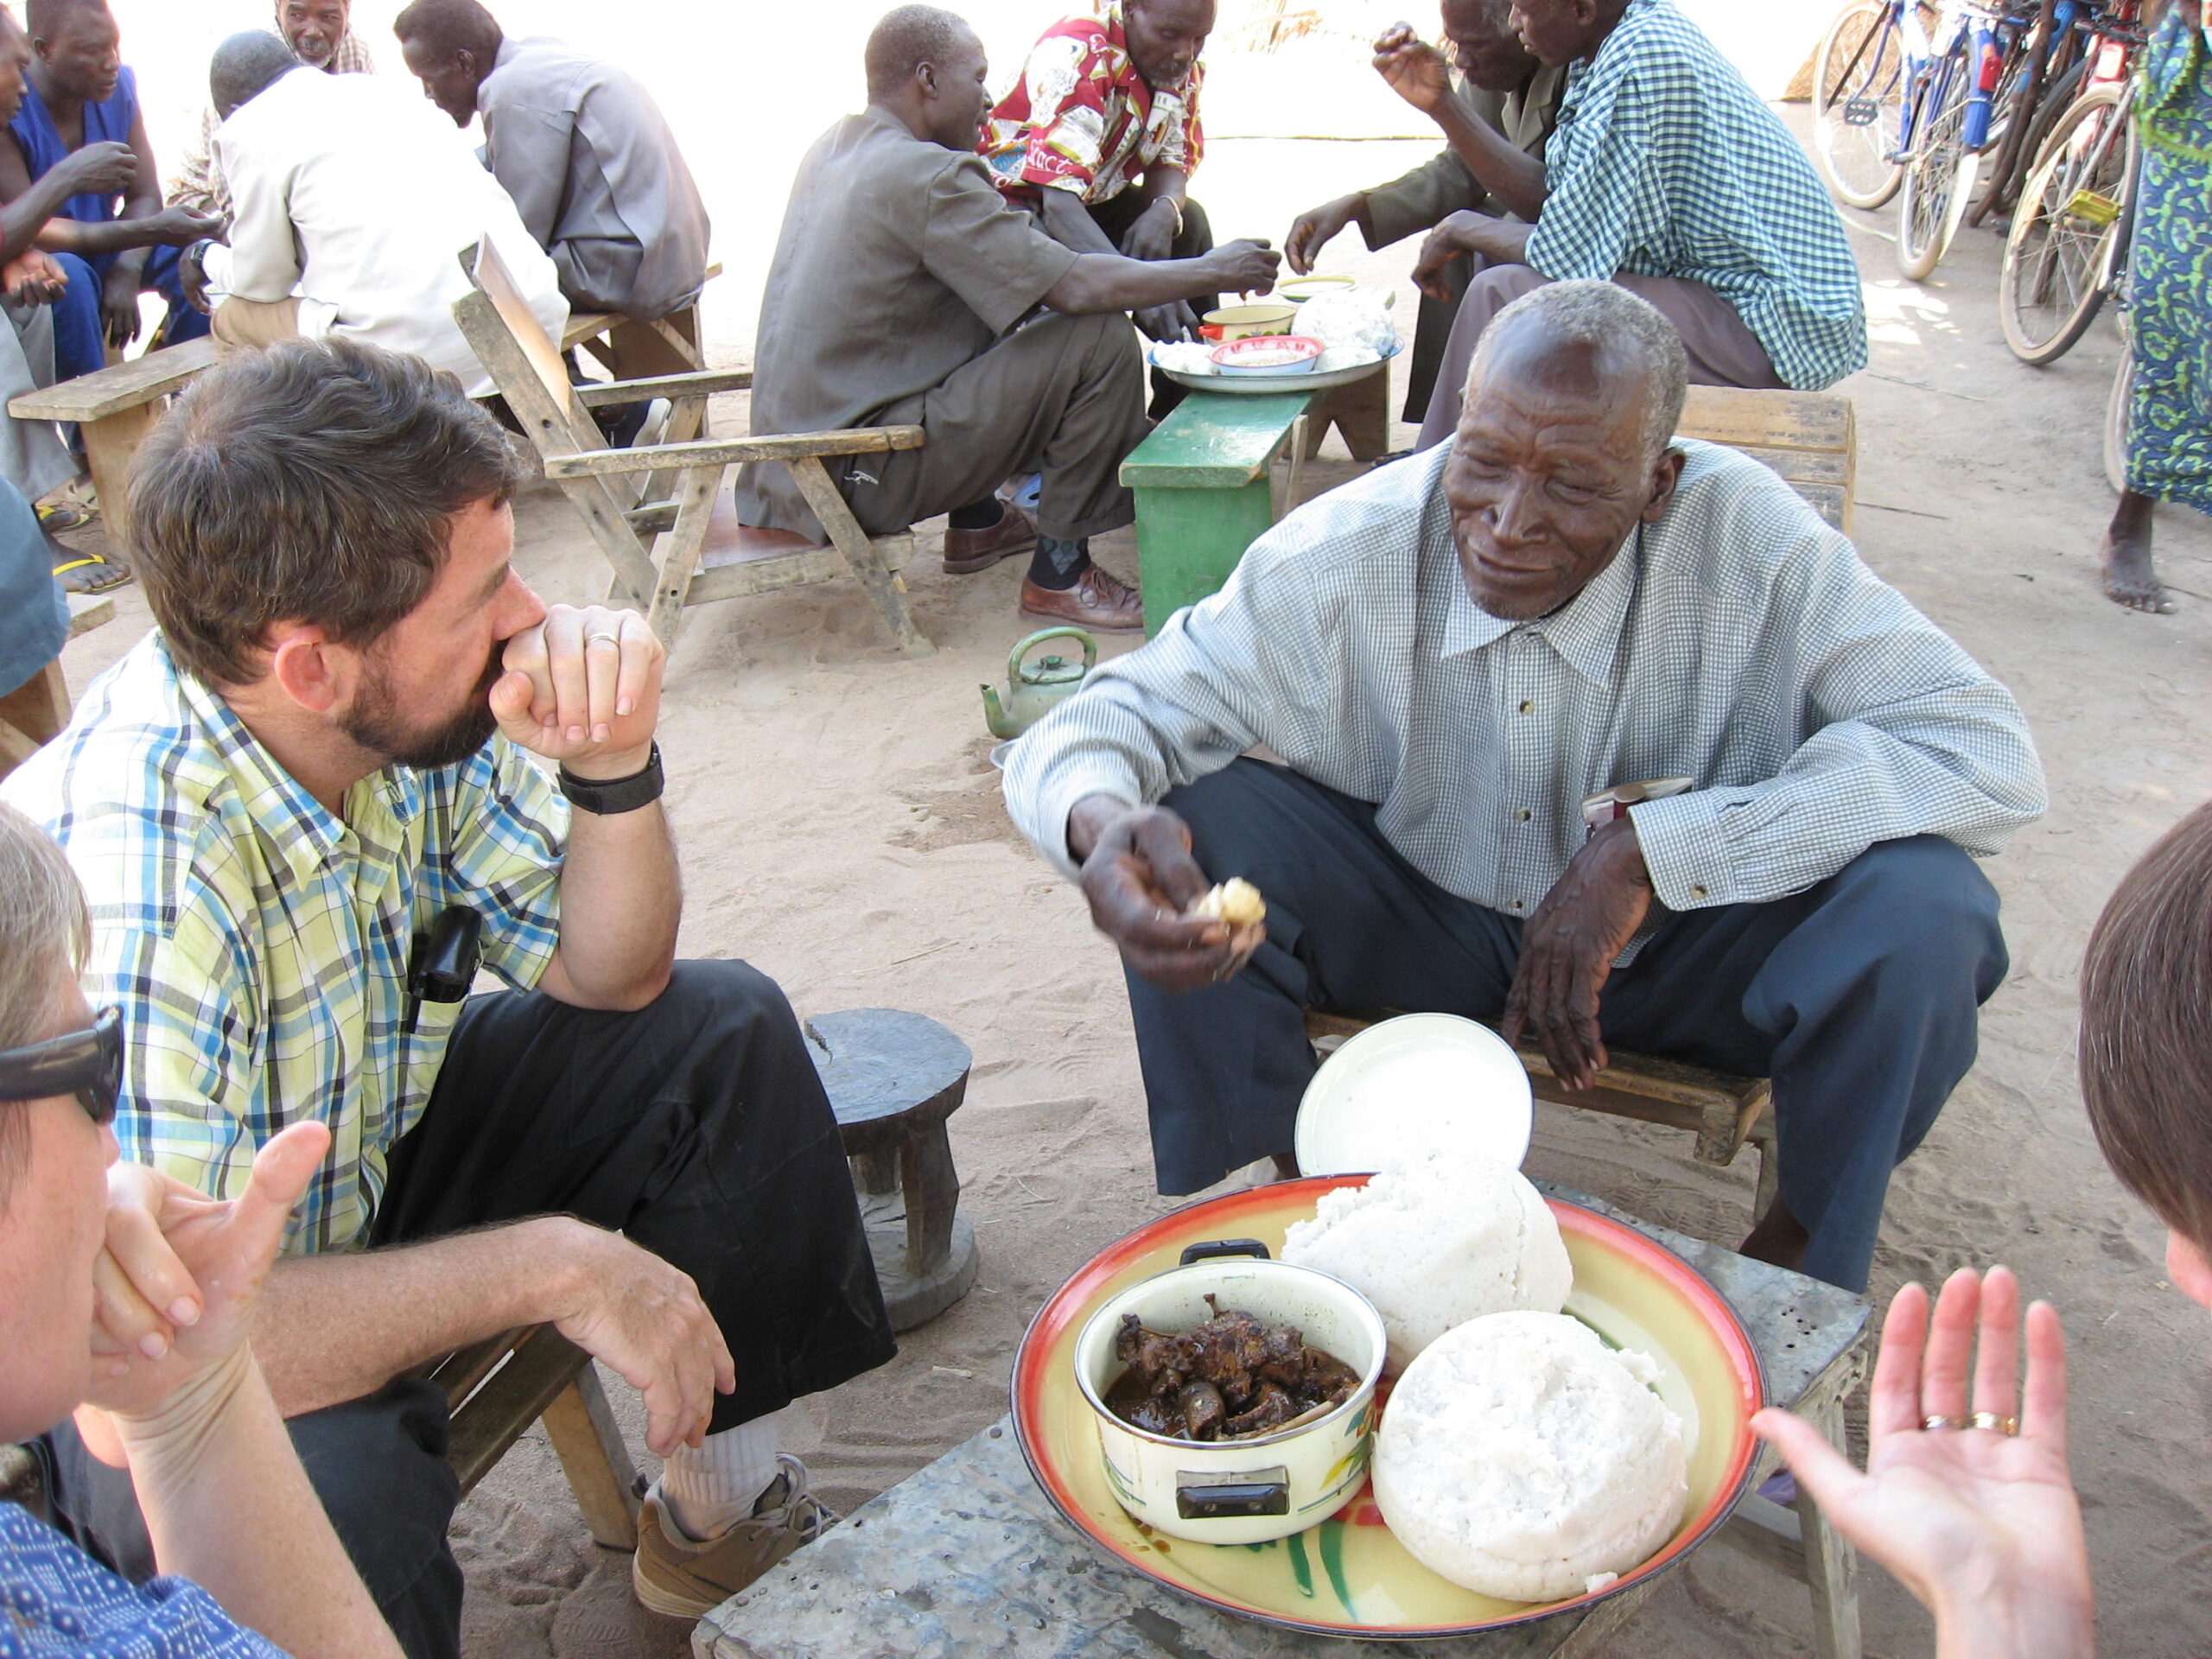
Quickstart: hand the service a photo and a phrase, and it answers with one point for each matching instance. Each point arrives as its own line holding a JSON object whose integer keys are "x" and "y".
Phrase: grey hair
{"x": 1608, "y": 317}
{"x": 903, "y": 41}
{"x": 244, "y": 67}
{"x": 43, "y": 935}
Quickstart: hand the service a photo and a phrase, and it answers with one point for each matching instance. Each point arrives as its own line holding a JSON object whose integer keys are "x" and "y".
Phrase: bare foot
{"x": 1780, "y": 1238}
{"x": 2130, "y": 577}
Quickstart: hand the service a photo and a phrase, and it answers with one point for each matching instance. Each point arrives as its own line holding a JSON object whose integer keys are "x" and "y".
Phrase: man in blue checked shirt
{"x": 1667, "y": 174}
{"x": 353, "y": 727}
{"x": 1451, "y": 657}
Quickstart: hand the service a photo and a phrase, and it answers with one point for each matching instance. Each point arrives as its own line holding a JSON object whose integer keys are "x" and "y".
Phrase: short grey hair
{"x": 244, "y": 67}
{"x": 903, "y": 41}
{"x": 43, "y": 937}
{"x": 1608, "y": 317}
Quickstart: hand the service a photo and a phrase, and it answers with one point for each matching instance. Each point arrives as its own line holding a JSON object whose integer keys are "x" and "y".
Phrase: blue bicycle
{"x": 1904, "y": 98}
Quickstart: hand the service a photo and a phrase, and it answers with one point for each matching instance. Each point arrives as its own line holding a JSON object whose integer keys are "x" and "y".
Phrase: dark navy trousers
{"x": 1859, "y": 997}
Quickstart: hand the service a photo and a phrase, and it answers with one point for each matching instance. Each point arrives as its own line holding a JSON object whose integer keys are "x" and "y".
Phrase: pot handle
{"x": 1220, "y": 1247}
{"x": 1208, "y": 1496}
{"x": 1021, "y": 652}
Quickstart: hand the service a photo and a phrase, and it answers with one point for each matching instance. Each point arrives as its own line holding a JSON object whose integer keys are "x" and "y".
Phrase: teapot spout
{"x": 995, "y": 716}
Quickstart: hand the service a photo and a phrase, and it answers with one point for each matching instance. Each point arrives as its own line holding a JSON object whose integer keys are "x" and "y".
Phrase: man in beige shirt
{"x": 1489, "y": 80}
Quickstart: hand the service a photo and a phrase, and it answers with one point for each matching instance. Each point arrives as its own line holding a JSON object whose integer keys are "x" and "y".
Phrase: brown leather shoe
{"x": 1098, "y": 600}
{"x": 966, "y": 551}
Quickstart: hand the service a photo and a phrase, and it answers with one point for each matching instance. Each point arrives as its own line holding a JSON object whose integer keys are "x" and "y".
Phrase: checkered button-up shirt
{"x": 1739, "y": 641}
{"x": 1665, "y": 163}
{"x": 258, "y": 945}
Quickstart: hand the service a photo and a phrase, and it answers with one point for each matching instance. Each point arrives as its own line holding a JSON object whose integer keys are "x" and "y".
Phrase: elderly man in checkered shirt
{"x": 1669, "y": 175}
{"x": 1450, "y": 656}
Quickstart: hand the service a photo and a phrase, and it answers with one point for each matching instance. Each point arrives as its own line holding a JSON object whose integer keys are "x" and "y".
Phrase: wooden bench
{"x": 1724, "y": 1111}
{"x": 114, "y": 408}
{"x": 1811, "y": 438}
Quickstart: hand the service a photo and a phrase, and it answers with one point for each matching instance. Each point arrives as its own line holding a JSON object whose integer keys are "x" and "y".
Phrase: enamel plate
{"x": 1421, "y": 1083}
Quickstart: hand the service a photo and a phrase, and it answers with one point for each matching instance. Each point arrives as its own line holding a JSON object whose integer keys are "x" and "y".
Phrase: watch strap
{"x": 605, "y": 796}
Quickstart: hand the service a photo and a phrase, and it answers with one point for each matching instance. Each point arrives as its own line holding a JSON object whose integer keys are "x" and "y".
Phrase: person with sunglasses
{"x": 251, "y": 1567}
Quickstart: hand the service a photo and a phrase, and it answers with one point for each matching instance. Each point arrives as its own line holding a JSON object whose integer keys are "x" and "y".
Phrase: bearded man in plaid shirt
{"x": 1450, "y": 656}
{"x": 317, "y": 767}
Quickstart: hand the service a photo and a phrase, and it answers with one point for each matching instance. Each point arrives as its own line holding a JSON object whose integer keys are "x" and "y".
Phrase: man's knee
{"x": 1937, "y": 911}
{"x": 1495, "y": 286}
{"x": 1196, "y": 235}
{"x": 728, "y": 998}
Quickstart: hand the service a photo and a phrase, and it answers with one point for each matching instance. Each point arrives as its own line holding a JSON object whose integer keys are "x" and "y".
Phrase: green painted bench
{"x": 1204, "y": 479}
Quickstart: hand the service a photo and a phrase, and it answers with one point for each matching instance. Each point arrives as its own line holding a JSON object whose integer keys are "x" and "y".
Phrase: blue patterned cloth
{"x": 2170, "y": 422}
{"x": 1666, "y": 164}
{"x": 56, "y": 1602}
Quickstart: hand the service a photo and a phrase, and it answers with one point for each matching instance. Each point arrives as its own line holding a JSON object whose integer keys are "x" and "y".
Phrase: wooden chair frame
{"x": 654, "y": 532}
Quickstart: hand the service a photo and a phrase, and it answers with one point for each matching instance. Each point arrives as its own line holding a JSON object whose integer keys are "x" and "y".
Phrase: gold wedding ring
{"x": 1991, "y": 1419}
{"x": 1931, "y": 1424}
{"x": 614, "y": 639}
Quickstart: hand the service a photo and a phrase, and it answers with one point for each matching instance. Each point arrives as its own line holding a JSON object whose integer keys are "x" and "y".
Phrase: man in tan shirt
{"x": 1489, "y": 79}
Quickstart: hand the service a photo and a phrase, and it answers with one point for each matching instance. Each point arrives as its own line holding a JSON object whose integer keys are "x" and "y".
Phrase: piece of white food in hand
{"x": 1235, "y": 901}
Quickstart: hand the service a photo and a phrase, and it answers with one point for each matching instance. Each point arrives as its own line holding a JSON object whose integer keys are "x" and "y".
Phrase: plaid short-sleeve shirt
{"x": 1082, "y": 119}
{"x": 1666, "y": 164}
{"x": 258, "y": 946}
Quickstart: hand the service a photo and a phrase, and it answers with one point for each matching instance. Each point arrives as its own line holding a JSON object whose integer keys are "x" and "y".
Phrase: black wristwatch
{"x": 195, "y": 257}
{"x": 606, "y": 797}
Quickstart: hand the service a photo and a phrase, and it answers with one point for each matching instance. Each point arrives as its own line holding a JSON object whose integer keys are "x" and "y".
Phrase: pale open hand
{"x": 1981, "y": 1526}
{"x": 644, "y": 1319}
{"x": 176, "y": 1282}
{"x": 582, "y": 688}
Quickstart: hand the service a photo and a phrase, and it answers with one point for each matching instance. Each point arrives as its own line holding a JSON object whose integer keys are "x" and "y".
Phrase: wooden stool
{"x": 894, "y": 1079}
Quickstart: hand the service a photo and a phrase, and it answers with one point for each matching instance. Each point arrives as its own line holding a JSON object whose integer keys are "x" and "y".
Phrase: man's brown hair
{"x": 2146, "y": 1029}
{"x": 315, "y": 482}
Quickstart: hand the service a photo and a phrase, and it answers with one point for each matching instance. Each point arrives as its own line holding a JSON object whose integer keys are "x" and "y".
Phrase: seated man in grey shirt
{"x": 581, "y": 147}
{"x": 1490, "y": 82}
{"x": 903, "y": 292}
{"x": 1451, "y": 656}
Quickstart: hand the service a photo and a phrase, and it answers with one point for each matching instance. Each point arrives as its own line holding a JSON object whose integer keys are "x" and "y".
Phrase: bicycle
{"x": 2066, "y": 246}
{"x": 1899, "y": 108}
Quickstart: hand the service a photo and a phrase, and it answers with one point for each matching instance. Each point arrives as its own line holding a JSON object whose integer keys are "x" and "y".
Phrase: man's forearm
{"x": 1500, "y": 241}
{"x": 622, "y": 899}
{"x": 28, "y": 215}
{"x": 1514, "y": 178}
{"x": 333, "y": 1328}
{"x": 1109, "y": 282}
{"x": 121, "y": 236}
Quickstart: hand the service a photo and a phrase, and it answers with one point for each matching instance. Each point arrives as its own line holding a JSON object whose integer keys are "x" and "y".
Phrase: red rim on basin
{"x": 1348, "y": 1577}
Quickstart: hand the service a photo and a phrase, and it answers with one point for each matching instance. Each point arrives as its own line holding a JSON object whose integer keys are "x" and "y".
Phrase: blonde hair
{"x": 44, "y": 933}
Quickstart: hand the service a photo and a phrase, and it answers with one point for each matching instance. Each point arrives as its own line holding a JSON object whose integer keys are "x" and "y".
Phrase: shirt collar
{"x": 1587, "y": 633}
{"x": 297, "y": 828}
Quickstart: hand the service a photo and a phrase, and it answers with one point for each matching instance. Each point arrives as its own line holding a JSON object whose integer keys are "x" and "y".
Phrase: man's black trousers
{"x": 1859, "y": 997}
{"x": 697, "y": 1127}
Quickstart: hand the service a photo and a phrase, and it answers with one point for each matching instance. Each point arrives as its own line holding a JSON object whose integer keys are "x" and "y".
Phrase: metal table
{"x": 967, "y": 1558}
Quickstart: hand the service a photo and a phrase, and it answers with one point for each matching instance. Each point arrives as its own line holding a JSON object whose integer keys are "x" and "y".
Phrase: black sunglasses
{"x": 86, "y": 1064}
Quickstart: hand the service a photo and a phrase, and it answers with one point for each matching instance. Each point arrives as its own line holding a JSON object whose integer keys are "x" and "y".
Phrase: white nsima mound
{"x": 1435, "y": 1242}
{"x": 1521, "y": 1458}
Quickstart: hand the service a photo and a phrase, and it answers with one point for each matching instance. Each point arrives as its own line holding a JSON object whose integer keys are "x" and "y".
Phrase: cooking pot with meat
{"x": 1283, "y": 1473}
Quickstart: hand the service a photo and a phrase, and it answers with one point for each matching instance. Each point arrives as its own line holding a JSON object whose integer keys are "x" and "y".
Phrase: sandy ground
{"x": 842, "y": 831}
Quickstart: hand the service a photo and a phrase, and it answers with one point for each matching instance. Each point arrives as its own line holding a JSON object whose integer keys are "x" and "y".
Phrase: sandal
{"x": 64, "y": 515}
{"x": 90, "y": 573}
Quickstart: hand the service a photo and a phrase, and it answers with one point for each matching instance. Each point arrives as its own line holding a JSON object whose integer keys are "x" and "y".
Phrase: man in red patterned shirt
{"x": 1100, "y": 136}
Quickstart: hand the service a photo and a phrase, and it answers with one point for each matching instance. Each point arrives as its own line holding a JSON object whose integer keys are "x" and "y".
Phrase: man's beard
{"x": 378, "y": 723}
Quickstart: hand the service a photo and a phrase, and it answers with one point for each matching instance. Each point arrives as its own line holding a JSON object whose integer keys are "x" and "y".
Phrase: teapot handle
{"x": 1020, "y": 651}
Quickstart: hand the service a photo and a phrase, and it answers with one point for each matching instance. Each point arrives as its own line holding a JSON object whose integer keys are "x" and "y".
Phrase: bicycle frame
{"x": 1927, "y": 70}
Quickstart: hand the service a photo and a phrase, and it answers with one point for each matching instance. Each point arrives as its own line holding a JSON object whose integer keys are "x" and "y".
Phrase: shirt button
{"x": 1524, "y": 815}
{"x": 1528, "y": 707}
{"x": 1514, "y": 905}
{"x": 1697, "y": 892}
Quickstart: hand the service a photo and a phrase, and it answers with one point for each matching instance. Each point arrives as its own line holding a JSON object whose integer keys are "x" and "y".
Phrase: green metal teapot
{"x": 1034, "y": 689}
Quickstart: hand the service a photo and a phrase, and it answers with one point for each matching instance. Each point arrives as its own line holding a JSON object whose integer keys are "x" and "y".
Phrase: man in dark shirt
{"x": 1489, "y": 80}
{"x": 903, "y": 291}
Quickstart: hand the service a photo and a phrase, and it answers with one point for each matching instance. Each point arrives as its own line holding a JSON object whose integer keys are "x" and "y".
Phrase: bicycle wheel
{"x": 2117, "y": 404}
{"x": 2057, "y": 268}
{"x": 1857, "y": 97}
{"x": 1939, "y": 175}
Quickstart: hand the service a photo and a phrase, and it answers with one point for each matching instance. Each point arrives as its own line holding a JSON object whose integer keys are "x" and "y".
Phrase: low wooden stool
{"x": 894, "y": 1079}
{"x": 1723, "y": 1110}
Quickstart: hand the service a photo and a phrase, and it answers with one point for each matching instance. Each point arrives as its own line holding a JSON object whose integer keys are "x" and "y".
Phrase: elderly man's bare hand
{"x": 1443, "y": 244}
{"x": 1172, "y": 321}
{"x": 582, "y": 688}
{"x": 34, "y": 277}
{"x": 1416, "y": 70}
{"x": 645, "y": 1321}
{"x": 175, "y": 1284}
{"x": 1315, "y": 228}
{"x": 1245, "y": 266}
{"x": 1568, "y": 950}
{"x": 1140, "y": 877}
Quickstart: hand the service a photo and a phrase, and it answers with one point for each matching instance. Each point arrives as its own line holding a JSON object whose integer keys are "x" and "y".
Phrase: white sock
{"x": 709, "y": 1490}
